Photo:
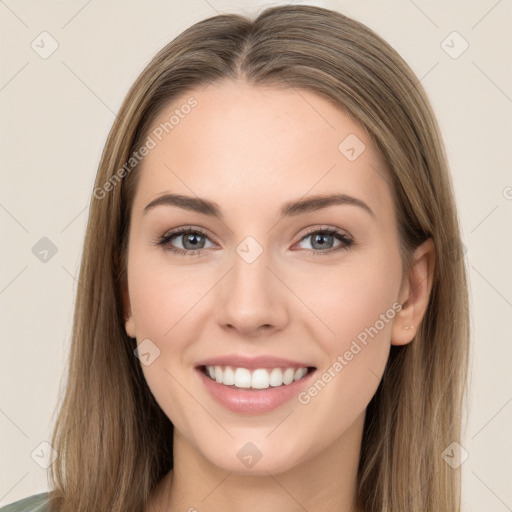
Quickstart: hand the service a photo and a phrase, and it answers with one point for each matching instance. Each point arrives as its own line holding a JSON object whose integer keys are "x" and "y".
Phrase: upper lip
{"x": 252, "y": 363}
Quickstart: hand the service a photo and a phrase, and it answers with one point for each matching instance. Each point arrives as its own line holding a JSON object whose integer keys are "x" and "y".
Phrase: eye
{"x": 192, "y": 241}
{"x": 323, "y": 240}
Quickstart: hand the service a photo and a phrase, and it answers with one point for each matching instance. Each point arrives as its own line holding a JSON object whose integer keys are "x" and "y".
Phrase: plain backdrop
{"x": 57, "y": 109}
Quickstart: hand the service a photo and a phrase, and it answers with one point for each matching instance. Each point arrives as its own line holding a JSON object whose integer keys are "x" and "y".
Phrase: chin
{"x": 257, "y": 457}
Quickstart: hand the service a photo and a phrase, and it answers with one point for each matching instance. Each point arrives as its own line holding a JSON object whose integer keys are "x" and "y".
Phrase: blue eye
{"x": 324, "y": 238}
{"x": 193, "y": 237}
{"x": 193, "y": 241}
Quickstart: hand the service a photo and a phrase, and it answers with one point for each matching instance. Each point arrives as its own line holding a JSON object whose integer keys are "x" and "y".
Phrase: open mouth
{"x": 257, "y": 379}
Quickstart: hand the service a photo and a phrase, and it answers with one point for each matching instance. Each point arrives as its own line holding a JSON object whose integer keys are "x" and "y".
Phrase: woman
{"x": 272, "y": 311}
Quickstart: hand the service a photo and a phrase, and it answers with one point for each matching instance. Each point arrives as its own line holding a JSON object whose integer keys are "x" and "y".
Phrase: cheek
{"x": 357, "y": 309}
{"x": 164, "y": 300}
{"x": 352, "y": 298}
{"x": 355, "y": 360}
{"x": 161, "y": 294}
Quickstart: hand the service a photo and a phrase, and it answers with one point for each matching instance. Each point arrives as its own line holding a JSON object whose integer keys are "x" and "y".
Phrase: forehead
{"x": 239, "y": 144}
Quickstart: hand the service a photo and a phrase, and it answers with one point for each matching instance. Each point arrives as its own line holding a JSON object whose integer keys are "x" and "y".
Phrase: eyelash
{"x": 164, "y": 240}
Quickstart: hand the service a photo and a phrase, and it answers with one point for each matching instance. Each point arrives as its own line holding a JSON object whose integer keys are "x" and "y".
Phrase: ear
{"x": 128, "y": 316}
{"x": 414, "y": 294}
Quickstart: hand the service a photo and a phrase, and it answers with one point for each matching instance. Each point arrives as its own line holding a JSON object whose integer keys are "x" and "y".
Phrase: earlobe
{"x": 130, "y": 326}
{"x": 415, "y": 294}
{"x": 129, "y": 320}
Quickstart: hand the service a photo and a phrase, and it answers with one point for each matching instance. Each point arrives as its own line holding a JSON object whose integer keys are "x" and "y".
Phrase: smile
{"x": 253, "y": 385}
{"x": 260, "y": 378}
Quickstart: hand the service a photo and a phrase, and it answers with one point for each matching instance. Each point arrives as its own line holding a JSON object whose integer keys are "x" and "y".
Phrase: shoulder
{"x": 34, "y": 503}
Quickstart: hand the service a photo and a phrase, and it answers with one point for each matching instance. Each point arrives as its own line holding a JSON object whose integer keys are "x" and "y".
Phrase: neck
{"x": 326, "y": 482}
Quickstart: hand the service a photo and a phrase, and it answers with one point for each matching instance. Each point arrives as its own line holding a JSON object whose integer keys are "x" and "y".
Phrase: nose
{"x": 252, "y": 299}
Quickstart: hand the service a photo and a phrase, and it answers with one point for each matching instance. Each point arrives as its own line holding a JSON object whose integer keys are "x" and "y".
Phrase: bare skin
{"x": 250, "y": 150}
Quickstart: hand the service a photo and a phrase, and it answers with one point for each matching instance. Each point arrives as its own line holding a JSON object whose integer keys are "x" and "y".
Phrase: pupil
{"x": 191, "y": 239}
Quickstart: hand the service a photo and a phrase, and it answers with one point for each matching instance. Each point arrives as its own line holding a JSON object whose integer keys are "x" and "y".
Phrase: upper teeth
{"x": 257, "y": 379}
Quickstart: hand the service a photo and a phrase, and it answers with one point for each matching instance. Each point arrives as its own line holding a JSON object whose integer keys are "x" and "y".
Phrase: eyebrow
{"x": 289, "y": 209}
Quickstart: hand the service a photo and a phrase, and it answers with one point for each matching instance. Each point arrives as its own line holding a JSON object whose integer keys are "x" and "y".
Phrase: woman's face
{"x": 260, "y": 284}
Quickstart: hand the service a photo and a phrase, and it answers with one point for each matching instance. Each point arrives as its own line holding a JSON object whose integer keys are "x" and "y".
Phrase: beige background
{"x": 56, "y": 113}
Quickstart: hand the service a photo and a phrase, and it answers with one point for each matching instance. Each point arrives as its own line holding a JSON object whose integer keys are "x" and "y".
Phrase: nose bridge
{"x": 250, "y": 266}
{"x": 251, "y": 294}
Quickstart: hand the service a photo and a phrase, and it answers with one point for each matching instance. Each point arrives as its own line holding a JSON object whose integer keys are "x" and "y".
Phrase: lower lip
{"x": 253, "y": 401}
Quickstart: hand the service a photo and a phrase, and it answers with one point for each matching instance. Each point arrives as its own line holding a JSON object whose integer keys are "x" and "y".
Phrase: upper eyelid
{"x": 313, "y": 229}
{"x": 184, "y": 229}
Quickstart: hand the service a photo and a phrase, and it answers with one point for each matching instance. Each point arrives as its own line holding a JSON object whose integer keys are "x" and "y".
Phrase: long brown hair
{"x": 113, "y": 440}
